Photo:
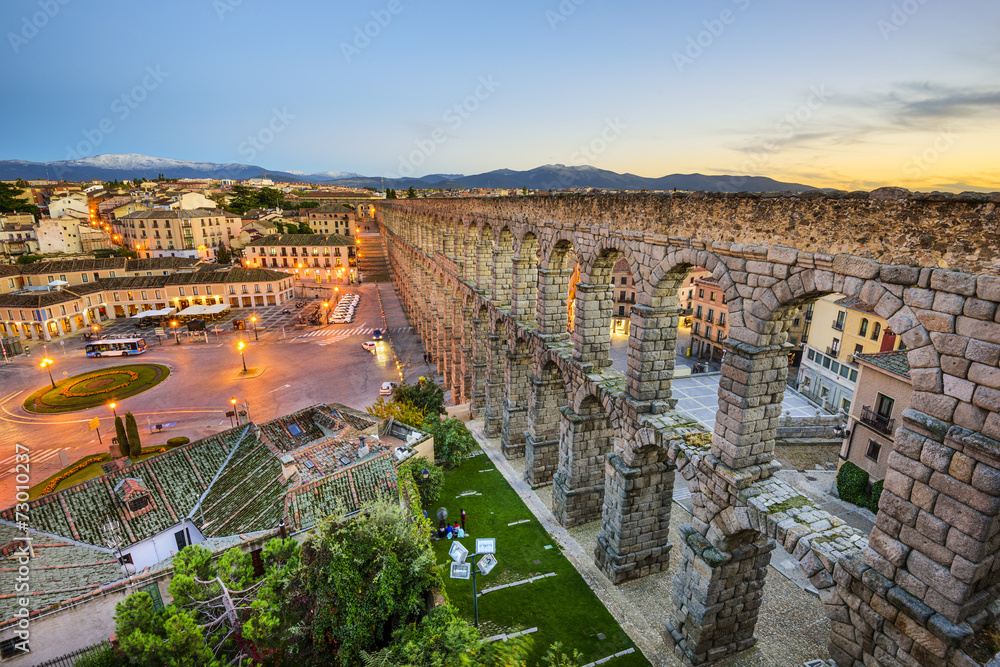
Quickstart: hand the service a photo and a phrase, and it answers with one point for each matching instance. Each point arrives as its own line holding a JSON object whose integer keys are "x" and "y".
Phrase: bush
{"x": 103, "y": 656}
{"x": 852, "y": 484}
{"x": 430, "y": 488}
{"x": 178, "y": 441}
{"x": 875, "y": 496}
{"x": 452, "y": 440}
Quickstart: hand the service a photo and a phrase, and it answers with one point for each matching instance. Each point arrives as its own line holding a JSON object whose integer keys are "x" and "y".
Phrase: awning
{"x": 215, "y": 309}
{"x": 191, "y": 311}
{"x": 162, "y": 312}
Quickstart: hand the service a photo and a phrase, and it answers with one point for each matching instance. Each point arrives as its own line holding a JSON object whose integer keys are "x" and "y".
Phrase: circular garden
{"x": 94, "y": 388}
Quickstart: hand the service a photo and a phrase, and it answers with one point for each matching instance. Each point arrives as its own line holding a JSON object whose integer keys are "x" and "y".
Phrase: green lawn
{"x": 563, "y": 607}
{"x": 91, "y": 471}
{"x": 103, "y": 385}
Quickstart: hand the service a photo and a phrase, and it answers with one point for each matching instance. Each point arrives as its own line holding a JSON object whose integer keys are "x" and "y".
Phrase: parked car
{"x": 387, "y": 388}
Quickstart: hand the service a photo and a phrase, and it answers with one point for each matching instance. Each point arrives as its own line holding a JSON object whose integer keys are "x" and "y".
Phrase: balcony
{"x": 838, "y": 325}
{"x": 832, "y": 352}
{"x": 883, "y": 425}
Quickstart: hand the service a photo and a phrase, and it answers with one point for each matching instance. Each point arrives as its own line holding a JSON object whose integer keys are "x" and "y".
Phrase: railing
{"x": 838, "y": 325}
{"x": 883, "y": 425}
{"x": 809, "y": 317}
{"x": 832, "y": 351}
{"x": 70, "y": 658}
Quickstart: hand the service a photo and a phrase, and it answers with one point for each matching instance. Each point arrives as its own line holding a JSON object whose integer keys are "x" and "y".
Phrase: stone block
{"x": 858, "y": 267}
{"x": 952, "y": 304}
{"x": 983, "y": 352}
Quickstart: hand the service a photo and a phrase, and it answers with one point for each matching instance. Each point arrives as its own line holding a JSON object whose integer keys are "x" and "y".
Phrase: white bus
{"x": 115, "y": 347}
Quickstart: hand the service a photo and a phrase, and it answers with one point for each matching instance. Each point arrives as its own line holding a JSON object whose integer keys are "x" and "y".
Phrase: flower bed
{"x": 66, "y": 474}
{"x": 133, "y": 376}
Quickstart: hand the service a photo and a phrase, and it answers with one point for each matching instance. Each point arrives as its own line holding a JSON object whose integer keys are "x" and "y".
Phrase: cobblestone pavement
{"x": 791, "y": 627}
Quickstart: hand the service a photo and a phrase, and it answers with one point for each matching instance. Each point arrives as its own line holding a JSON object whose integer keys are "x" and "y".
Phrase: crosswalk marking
{"x": 34, "y": 457}
{"x": 357, "y": 331}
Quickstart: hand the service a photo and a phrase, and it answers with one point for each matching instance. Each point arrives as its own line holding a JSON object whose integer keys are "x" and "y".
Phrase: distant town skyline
{"x": 855, "y": 95}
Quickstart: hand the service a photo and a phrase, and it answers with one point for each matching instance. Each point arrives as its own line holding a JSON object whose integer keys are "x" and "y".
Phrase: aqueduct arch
{"x": 910, "y": 593}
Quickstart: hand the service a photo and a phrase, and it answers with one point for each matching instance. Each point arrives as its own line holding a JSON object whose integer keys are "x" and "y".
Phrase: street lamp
{"x": 173, "y": 323}
{"x": 46, "y": 363}
{"x": 232, "y": 402}
{"x": 240, "y": 346}
{"x": 253, "y": 321}
{"x": 112, "y": 405}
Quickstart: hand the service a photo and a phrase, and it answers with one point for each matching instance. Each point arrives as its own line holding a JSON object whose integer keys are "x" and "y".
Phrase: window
{"x": 62, "y": 277}
{"x": 256, "y": 289}
{"x": 718, "y": 335}
{"x": 623, "y": 280}
{"x": 115, "y": 296}
{"x": 854, "y": 376}
{"x": 708, "y": 332}
{"x": 859, "y": 348}
{"x": 841, "y": 318}
{"x": 697, "y": 328}
{"x": 701, "y": 294}
{"x": 811, "y": 353}
{"x": 697, "y": 312}
{"x": 208, "y": 290}
{"x": 722, "y": 321}
{"x": 883, "y": 406}
{"x": 130, "y": 297}
{"x": 863, "y": 329}
{"x": 711, "y": 296}
{"x": 245, "y": 290}
{"x": 181, "y": 291}
{"x": 139, "y": 503}
{"x": 143, "y": 295}
{"x": 873, "y": 450}
{"x": 621, "y": 311}
{"x": 826, "y": 362}
{"x": 621, "y": 296}
{"x": 181, "y": 539}
{"x": 876, "y": 330}
{"x": 844, "y": 370}
{"x": 154, "y": 592}
{"x": 10, "y": 648}
{"x": 845, "y": 405}
{"x": 834, "y": 366}
{"x": 157, "y": 294}
{"x": 83, "y": 276}
{"x": 711, "y": 315}
{"x": 194, "y": 291}
{"x": 232, "y": 289}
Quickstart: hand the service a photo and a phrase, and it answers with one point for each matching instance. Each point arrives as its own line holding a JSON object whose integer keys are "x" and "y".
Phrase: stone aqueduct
{"x": 485, "y": 281}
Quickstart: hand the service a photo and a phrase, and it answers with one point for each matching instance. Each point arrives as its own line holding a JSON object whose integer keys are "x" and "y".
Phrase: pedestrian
{"x": 27, "y": 351}
{"x": 463, "y": 519}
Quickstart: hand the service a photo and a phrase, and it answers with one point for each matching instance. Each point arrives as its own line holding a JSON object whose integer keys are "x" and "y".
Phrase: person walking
{"x": 463, "y": 519}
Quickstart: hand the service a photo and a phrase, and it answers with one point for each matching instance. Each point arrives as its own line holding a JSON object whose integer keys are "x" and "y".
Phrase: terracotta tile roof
{"x": 44, "y": 299}
{"x": 304, "y": 240}
{"x": 350, "y": 488}
{"x": 74, "y": 265}
{"x": 894, "y": 362}
{"x": 856, "y": 304}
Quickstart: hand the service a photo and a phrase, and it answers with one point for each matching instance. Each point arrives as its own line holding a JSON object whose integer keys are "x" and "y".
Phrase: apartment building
{"x": 16, "y": 239}
{"x": 623, "y": 292}
{"x": 881, "y": 394}
{"x": 709, "y": 320}
{"x": 841, "y": 328}
{"x": 330, "y": 219}
{"x": 177, "y": 230}
{"x": 309, "y": 257}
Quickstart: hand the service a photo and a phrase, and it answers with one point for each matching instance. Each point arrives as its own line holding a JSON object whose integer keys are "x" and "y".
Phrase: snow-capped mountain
{"x": 131, "y": 165}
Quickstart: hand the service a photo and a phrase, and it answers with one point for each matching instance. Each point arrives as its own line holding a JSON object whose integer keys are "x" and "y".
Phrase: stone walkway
{"x": 791, "y": 627}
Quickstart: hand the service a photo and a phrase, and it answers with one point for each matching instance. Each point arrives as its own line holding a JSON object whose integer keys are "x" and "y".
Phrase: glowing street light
{"x": 253, "y": 322}
{"x": 240, "y": 346}
{"x": 232, "y": 402}
{"x": 173, "y": 323}
{"x": 112, "y": 405}
{"x": 46, "y": 363}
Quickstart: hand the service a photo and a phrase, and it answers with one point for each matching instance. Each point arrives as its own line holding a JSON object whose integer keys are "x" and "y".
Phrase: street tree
{"x": 122, "y": 436}
{"x": 132, "y": 431}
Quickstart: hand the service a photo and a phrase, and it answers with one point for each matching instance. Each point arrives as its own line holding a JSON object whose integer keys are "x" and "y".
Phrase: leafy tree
{"x": 132, "y": 430}
{"x": 443, "y": 638}
{"x": 246, "y": 198}
{"x": 223, "y": 254}
{"x": 279, "y": 228}
{"x": 404, "y": 413}
{"x": 104, "y": 656}
{"x": 29, "y": 259}
{"x": 305, "y": 229}
{"x": 430, "y": 488}
{"x": 21, "y": 183}
{"x": 425, "y": 395}
{"x": 10, "y": 203}
{"x": 168, "y": 638}
{"x": 122, "y": 436}
{"x": 360, "y": 579}
{"x": 390, "y": 193}
{"x": 411, "y": 193}
{"x": 452, "y": 439}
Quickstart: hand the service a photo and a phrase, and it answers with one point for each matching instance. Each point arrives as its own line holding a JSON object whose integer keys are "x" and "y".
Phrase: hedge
{"x": 852, "y": 486}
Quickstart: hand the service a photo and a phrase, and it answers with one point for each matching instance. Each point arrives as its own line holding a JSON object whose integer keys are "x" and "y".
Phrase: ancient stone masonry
{"x": 487, "y": 284}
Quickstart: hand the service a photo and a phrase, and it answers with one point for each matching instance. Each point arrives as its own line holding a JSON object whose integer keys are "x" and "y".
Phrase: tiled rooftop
{"x": 856, "y": 304}
{"x": 350, "y": 489}
{"x": 894, "y": 362}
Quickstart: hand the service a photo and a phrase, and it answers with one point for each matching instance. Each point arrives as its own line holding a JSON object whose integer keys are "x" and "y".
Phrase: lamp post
{"x": 240, "y": 346}
{"x": 173, "y": 323}
{"x": 232, "y": 402}
{"x": 253, "y": 322}
{"x": 46, "y": 363}
{"x": 112, "y": 405}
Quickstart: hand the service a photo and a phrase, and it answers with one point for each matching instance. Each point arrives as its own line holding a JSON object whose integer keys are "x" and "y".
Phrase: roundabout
{"x": 95, "y": 388}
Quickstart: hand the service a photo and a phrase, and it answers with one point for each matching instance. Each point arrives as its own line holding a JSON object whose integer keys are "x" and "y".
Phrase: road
{"x": 308, "y": 366}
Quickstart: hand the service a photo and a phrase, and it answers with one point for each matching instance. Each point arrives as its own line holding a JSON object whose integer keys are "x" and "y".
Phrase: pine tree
{"x": 122, "y": 437}
{"x": 132, "y": 429}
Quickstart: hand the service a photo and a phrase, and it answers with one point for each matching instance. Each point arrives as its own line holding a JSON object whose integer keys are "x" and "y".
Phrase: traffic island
{"x": 250, "y": 373}
{"x": 95, "y": 388}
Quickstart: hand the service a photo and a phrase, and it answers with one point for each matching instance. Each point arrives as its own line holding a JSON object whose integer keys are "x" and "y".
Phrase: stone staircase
{"x": 372, "y": 264}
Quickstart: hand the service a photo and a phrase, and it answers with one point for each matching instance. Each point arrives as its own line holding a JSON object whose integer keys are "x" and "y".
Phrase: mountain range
{"x": 548, "y": 177}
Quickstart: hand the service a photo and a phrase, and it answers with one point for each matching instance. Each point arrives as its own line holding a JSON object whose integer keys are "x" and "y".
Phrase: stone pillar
{"x": 484, "y": 258}
{"x": 635, "y": 532}
{"x": 716, "y": 597}
{"x": 578, "y": 485}
{"x": 541, "y": 448}
{"x": 480, "y": 354}
{"x": 455, "y": 347}
{"x": 553, "y": 307}
{"x": 515, "y": 404}
{"x": 494, "y": 387}
{"x": 750, "y": 393}
{"x": 652, "y": 346}
{"x": 524, "y": 300}
{"x": 502, "y": 278}
{"x": 448, "y": 245}
{"x": 468, "y": 350}
{"x": 592, "y": 326}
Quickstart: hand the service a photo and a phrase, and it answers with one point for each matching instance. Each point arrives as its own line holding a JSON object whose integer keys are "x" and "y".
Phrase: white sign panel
{"x": 461, "y": 570}
{"x": 487, "y": 563}
{"x": 458, "y": 552}
{"x": 486, "y": 545}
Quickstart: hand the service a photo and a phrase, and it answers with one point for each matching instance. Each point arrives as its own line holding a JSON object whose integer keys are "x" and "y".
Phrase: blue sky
{"x": 854, "y": 94}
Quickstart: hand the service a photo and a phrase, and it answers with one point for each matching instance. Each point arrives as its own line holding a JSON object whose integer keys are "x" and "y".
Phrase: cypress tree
{"x": 132, "y": 429}
{"x": 122, "y": 437}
